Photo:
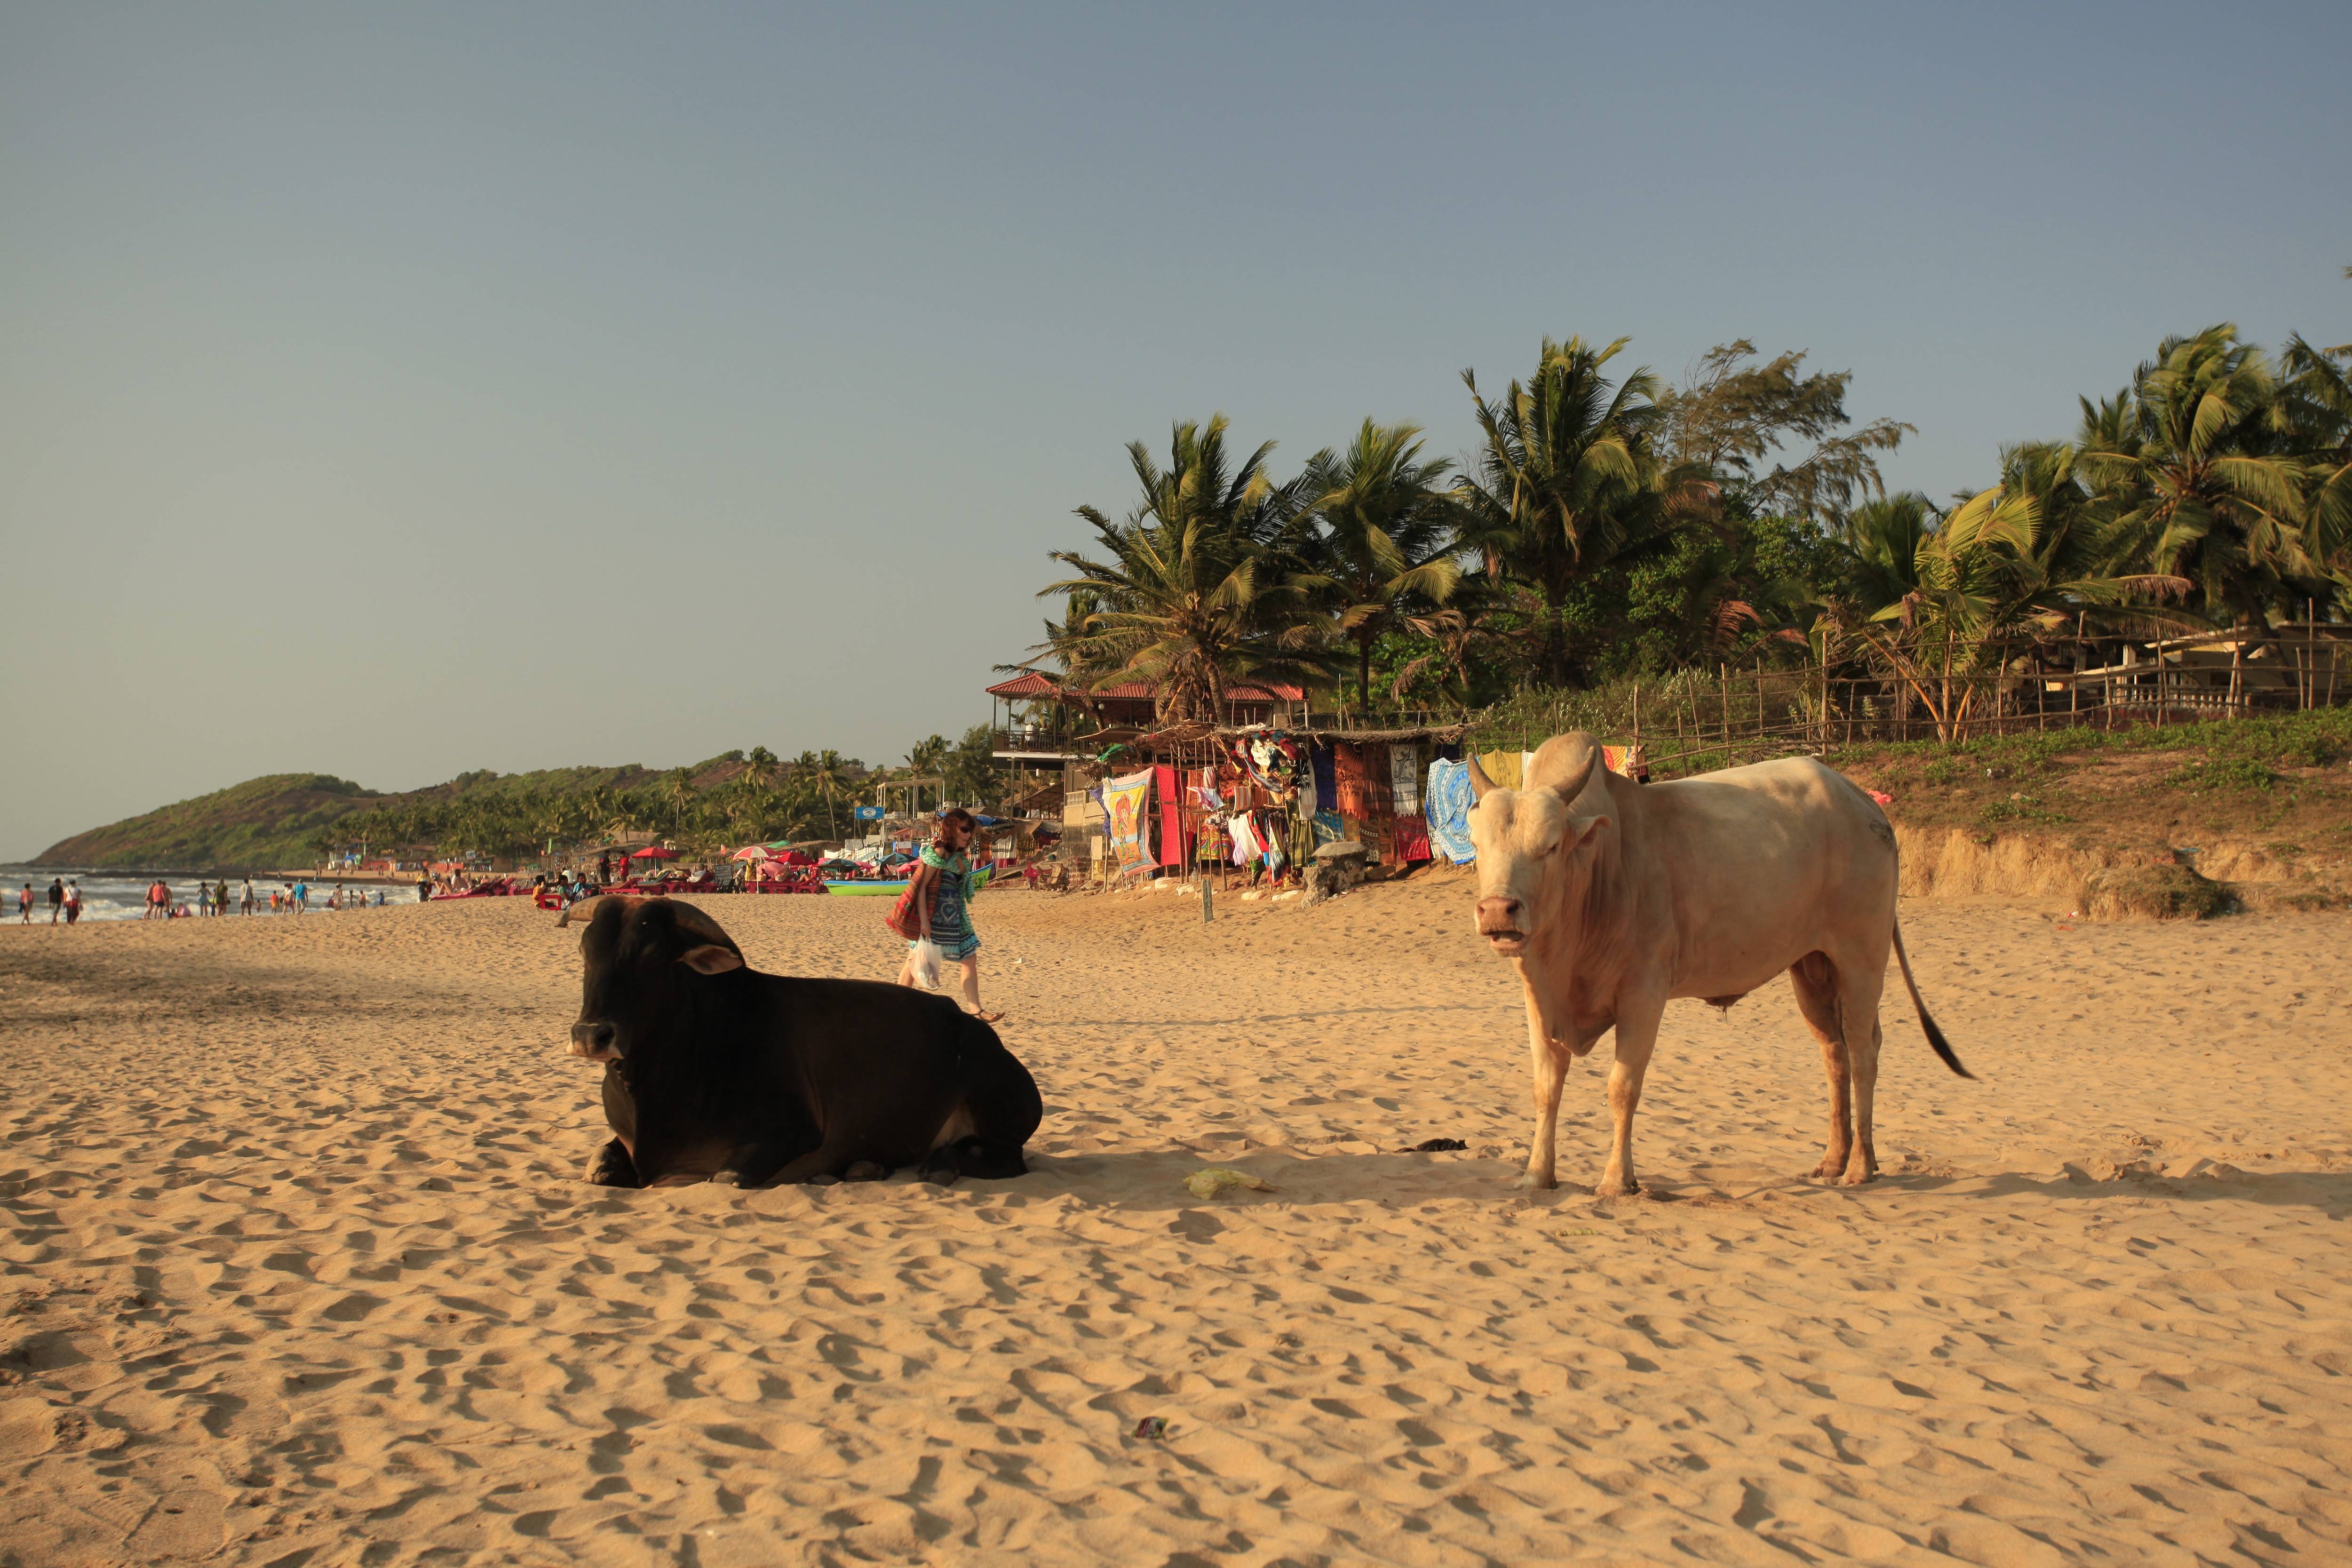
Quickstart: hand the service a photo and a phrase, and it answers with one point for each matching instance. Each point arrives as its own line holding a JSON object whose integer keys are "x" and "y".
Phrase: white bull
{"x": 1612, "y": 896}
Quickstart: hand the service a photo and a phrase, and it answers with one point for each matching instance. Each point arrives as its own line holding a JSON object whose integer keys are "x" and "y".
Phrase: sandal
{"x": 986, "y": 1016}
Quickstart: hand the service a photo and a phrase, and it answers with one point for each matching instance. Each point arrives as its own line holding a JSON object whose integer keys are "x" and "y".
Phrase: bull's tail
{"x": 1943, "y": 1047}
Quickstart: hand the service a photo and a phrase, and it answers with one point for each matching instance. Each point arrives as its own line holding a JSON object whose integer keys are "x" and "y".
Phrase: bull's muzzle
{"x": 1499, "y": 922}
{"x": 597, "y": 1042}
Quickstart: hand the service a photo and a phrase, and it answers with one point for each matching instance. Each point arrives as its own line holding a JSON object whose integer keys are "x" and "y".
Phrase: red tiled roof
{"x": 1031, "y": 684}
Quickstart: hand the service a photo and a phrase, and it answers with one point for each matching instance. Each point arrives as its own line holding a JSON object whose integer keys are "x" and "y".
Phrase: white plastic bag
{"x": 927, "y": 961}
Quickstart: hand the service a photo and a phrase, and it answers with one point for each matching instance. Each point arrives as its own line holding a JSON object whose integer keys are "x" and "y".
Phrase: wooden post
{"x": 1723, "y": 678}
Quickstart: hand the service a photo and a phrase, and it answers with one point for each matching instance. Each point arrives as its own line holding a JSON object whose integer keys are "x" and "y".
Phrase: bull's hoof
{"x": 942, "y": 1176}
{"x": 1530, "y": 1181}
{"x": 823, "y": 1179}
{"x": 1628, "y": 1188}
{"x": 865, "y": 1171}
{"x": 1857, "y": 1178}
{"x": 725, "y": 1178}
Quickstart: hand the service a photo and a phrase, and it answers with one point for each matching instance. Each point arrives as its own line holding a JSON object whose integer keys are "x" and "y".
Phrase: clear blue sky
{"x": 392, "y": 390}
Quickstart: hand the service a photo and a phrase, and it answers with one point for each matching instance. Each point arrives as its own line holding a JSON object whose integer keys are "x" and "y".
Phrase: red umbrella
{"x": 655, "y": 852}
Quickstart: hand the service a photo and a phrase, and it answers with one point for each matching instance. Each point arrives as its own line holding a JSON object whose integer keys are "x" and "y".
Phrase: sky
{"x": 394, "y": 391}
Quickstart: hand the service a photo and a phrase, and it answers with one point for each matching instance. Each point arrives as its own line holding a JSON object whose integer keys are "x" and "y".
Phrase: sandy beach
{"x": 300, "y": 1271}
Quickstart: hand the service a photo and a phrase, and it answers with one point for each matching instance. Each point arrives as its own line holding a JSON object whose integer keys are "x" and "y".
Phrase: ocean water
{"x": 117, "y": 895}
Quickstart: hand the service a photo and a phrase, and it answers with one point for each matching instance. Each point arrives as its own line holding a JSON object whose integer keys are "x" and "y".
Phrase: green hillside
{"x": 261, "y": 823}
{"x": 272, "y": 821}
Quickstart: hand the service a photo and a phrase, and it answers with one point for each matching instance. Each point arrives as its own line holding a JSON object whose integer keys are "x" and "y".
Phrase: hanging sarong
{"x": 1171, "y": 815}
{"x": 1127, "y": 800}
{"x": 1355, "y": 791}
{"x": 1404, "y": 779}
{"x": 1502, "y": 768}
{"x": 1448, "y": 810}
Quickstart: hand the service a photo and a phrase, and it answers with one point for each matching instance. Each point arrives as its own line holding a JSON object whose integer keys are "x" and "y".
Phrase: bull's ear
{"x": 712, "y": 959}
{"x": 1581, "y": 833}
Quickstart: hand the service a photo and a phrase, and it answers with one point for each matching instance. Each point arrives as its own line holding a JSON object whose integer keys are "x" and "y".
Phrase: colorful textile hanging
{"x": 1127, "y": 802}
{"x": 1328, "y": 828}
{"x": 1449, "y": 810}
{"x": 1404, "y": 778}
{"x": 1502, "y": 768}
{"x": 1409, "y": 841}
{"x": 1171, "y": 815}
{"x": 1355, "y": 791}
{"x": 1324, "y": 763}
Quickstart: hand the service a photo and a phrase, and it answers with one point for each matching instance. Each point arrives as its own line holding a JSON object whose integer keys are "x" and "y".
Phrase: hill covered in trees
{"x": 737, "y": 798}
{"x": 262, "y": 822}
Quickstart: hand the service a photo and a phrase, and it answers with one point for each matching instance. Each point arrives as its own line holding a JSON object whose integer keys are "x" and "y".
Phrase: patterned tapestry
{"x": 1126, "y": 802}
{"x": 1449, "y": 810}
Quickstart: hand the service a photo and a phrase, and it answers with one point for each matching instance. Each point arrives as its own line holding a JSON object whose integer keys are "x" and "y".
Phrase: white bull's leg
{"x": 1858, "y": 993}
{"x": 1547, "y": 1064}
{"x": 1816, "y": 985}
{"x": 1637, "y": 1035}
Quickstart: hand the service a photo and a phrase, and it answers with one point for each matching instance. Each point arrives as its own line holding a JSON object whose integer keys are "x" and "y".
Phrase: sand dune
{"x": 300, "y": 1270}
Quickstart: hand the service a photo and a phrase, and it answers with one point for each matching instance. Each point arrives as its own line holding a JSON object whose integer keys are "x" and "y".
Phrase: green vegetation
{"x": 1610, "y": 525}
{"x": 260, "y": 823}
{"x": 735, "y": 798}
{"x": 2146, "y": 784}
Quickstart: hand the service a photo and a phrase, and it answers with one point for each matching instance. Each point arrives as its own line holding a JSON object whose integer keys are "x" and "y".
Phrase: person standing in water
{"x": 941, "y": 884}
{"x": 57, "y": 897}
{"x": 25, "y": 905}
{"x": 73, "y": 901}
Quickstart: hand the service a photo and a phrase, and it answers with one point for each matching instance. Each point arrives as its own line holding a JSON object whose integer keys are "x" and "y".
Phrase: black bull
{"x": 713, "y": 1071}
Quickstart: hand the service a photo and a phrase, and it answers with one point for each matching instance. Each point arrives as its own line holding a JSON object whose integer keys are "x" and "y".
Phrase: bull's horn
{"x": 697, "y": 920}
{"x": 586, "y": 908}
{"x": 1479, "y": 783}
{"x": 1565, "y": 764}
{"x": 1574, "y": 785}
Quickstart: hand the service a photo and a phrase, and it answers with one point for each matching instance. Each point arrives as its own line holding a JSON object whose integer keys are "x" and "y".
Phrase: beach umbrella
{"x": 751, "y": 852}
{"x": 655, "y": 852}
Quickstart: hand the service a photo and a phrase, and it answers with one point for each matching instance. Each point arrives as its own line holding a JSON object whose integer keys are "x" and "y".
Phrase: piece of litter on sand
{"x": 1881, "y": 798}
{"x": 1217, "y": 1179}
{"x": 1437, "y": 1146}
{"x": 1151, "y": 1427}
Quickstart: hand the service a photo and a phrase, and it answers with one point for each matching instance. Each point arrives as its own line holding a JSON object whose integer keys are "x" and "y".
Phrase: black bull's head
{"x": 638, "y": 954}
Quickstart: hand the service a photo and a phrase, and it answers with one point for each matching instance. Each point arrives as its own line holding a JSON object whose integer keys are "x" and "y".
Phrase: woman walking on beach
{"x": 941, "y": 886}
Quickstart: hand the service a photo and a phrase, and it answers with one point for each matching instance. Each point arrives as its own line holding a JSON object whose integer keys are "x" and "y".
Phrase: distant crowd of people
{"x": 211, "y": 897}
{"x": 64, "y": 899}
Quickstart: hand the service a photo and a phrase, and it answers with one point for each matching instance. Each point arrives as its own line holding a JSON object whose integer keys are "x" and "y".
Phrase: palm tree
{"x": 2190, "y": 461}
{"x": 1201, "y": 586}
{"x": 1570, "y": 480}
{"x": 2319, "y": 406}
{"x": 827, "y": 773}
{"x": 758, "y": 768}
{"x": 2028, "y": 554}
{"x": 1388, "y": 539}
{"x": 1882, "y": 539}
{"x": 678, "y": 786}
